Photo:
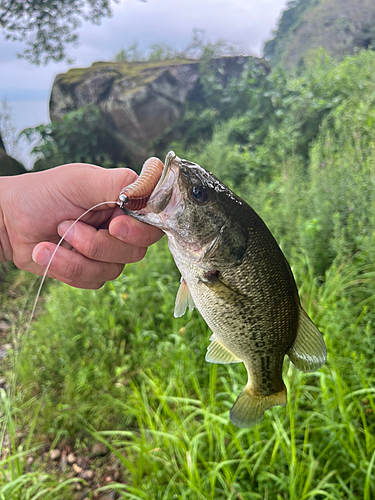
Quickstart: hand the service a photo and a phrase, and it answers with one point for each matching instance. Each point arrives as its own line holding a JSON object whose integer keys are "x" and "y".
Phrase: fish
{"x": 235, "y": 274}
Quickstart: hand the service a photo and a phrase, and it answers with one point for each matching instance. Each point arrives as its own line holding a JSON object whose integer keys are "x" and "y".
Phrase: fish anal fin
{"x": 184, "y": 300}
{"x": 218, "y": 353}
{"x": 308, "y": 352}
{"x": 249, "y": 408}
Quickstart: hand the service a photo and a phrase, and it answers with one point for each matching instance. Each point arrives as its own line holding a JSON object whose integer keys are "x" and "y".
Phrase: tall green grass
{"x": 122, "y": 369}
{"x": 19, "y": 480}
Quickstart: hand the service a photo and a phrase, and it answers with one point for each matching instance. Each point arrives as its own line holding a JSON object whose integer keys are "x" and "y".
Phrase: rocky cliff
{"x": 138, "y": 101}
{"x": 339, "y": 26}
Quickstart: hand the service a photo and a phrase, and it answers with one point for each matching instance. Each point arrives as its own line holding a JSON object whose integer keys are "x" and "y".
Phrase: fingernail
{"x": 120, "y": 231}
{"x": 63, "y": 228}
{"x": 41, "y": 256}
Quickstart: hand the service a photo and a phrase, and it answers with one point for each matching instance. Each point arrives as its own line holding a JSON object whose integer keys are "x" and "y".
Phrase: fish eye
{"x": 199, "y": 194}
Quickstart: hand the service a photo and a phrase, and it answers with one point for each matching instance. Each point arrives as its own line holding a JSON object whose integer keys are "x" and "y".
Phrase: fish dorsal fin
{"x": 183, "y": 300}
{"x": 308, "y": 352}
{"x": 218, "y": 353}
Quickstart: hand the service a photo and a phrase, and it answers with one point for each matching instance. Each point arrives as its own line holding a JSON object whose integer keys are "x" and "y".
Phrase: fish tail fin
{"x": 249, "y": 408}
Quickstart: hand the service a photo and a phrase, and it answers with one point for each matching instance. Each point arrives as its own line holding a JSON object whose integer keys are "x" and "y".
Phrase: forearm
{"x": 5, "y": 246}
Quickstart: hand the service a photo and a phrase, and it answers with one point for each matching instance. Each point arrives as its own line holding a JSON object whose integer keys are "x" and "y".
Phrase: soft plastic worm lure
{"x": 136, "y": 195}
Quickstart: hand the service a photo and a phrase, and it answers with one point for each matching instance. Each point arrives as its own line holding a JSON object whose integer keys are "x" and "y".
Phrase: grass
{"x": 130, "y": 374}
{"x": 120, "y": 69}
{"x": 186, "y": 448}
{"x": 114, "y": 365}
{"x": 17, "y": 480}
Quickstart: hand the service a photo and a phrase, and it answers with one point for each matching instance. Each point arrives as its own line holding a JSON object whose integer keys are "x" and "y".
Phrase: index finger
{"x": 134, "y": 232}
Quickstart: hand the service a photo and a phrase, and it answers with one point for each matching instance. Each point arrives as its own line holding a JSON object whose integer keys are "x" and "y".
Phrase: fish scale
{"x": 244, "y": 338}
{"x": 236, "y": 275}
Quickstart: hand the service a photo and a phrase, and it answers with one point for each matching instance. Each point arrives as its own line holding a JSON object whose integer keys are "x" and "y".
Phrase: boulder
{"x": 138, "y": 101}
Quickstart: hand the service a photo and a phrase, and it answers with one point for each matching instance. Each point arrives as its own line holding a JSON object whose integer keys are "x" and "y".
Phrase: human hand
{"x": 36, "y": 209}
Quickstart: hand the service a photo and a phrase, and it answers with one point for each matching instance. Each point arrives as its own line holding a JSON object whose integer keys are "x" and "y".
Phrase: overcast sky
{"x": 247, "y": 22}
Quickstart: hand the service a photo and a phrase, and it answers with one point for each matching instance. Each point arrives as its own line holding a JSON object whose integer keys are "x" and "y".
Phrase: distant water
{"x": 27, "y": 114}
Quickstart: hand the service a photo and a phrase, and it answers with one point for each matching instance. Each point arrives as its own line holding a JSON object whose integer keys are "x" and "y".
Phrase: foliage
{"x": 47, "y": 27}
{"x": 296, "y": 164}
{"x": 100, "y": 364}
{"x": 199, "y": 48}
{"x": 157, "y": 52}
{"x": 333, "y": 187}
{"x": 258, "y": 120}
{"x": 17, "y": 481}
{"x": 267, "y": 117}
{"x": 289, "y": 21}
{"x": 228, "y": 89}
{"x": 81, "y": 136}
{"x": 138, "y": 377}
{"x": 129, "y": 54}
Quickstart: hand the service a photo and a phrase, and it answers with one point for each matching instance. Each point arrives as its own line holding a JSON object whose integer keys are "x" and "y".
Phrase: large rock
{"x": 138, "y": 101}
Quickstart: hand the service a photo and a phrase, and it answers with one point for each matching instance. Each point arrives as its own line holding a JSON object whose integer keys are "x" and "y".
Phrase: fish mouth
{"x": 165, "y": 199}
{"x": 163, "y": 192}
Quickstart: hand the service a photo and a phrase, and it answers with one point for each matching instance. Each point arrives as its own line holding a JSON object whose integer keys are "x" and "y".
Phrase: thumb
{"x": 90, "y": 184}
{"x": 115, "y": 180}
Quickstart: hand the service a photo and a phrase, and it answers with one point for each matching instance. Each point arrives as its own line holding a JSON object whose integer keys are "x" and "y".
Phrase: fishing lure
{"x": 136, "y": 195}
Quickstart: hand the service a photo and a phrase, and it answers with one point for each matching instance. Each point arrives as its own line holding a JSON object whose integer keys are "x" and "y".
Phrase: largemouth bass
{"x": 235, "y": 274}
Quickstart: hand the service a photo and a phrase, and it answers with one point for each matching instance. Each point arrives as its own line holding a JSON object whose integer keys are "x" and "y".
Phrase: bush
{"x": 81, "y": 136}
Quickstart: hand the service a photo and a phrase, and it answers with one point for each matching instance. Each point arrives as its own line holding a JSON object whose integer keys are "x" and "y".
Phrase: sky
{"x": 26, "y": 88}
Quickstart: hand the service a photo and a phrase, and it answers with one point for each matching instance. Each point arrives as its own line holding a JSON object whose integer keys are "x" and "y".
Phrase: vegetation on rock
{"x": 339, "y": 26}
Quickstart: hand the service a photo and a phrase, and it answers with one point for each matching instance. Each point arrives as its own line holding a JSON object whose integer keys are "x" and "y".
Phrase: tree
{"x": 48, "y": 26}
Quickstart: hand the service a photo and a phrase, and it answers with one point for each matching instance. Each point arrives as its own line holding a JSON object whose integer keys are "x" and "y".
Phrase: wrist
{"x": 5, "y": 246}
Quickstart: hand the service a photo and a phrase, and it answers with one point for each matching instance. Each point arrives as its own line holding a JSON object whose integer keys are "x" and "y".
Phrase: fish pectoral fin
{"x": 183, "y": 300}
{"x": 308, "y": 352}
{"x": 249, "y": 408}
{"x": 218, "y": 353}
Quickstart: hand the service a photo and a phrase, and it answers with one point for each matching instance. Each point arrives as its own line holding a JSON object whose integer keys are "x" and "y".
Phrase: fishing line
{"x": 54, "y": 253}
